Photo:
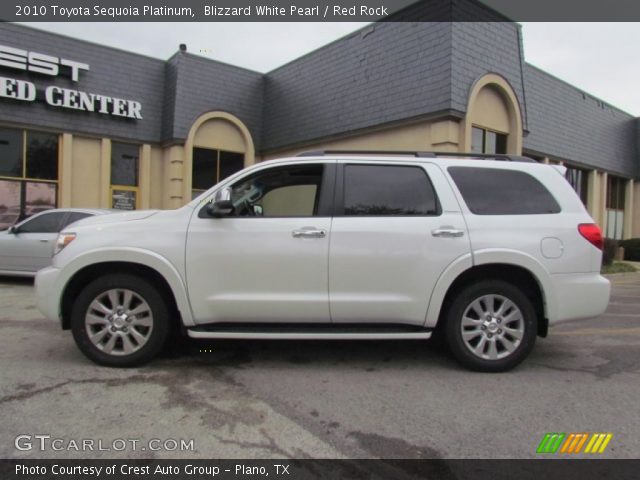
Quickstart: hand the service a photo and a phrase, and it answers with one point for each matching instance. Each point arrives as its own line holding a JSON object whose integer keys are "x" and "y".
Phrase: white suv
{"x": 487, "y": 251}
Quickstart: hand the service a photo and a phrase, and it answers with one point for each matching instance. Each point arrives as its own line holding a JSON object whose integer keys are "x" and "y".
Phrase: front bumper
{"x": 49, "y": 292}
{"x": 578, "y": 296}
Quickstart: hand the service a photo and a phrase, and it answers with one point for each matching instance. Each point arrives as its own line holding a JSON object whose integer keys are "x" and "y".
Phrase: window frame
{"x": 128, "y": 188}
{"x": 616, "y": 187}
{"x": 137, "y": 171}
{"x": 23, "y": 179}
{"x": 338, "y": 210}
{"x": 63, "y": 217}
{"x": 325, "y": 198}
{"x": 125, "y": 188}
{"x": 218, "y": 151}
{"x": 486, "y": 130}
{"x": 582, "y": 184}
{"x": 473, "y": 210}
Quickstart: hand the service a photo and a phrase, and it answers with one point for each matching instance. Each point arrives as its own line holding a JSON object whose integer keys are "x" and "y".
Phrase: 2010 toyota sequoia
{"x": 488, "y": 252}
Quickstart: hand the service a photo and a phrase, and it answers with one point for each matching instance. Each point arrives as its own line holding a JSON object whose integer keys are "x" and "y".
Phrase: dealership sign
{"x": 56, "y": 96}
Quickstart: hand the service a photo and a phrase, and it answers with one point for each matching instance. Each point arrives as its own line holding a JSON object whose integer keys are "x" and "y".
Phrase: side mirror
{"x": 221, "y": 205}
{"x": 13, "y": 230}
{"x": 220, "y": 208}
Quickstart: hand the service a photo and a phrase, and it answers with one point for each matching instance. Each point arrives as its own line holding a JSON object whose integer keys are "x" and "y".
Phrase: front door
{"x": 268, "y": 260}
{"x": 30, "y": 248}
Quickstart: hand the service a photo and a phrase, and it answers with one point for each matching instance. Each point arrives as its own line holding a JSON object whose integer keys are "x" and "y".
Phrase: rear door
{"x": 396, "y": 228}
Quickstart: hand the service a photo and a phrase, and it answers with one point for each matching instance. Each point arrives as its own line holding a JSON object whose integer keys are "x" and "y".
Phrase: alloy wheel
{"x": 119, "y": 322}
{"x": 492, "y": 327}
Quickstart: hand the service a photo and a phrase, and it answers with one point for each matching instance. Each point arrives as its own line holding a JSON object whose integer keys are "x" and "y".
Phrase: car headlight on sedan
{"x": 64, "y": 239}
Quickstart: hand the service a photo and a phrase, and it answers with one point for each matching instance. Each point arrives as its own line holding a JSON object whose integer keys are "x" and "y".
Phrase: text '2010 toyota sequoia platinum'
{"x": 488, "y": 252}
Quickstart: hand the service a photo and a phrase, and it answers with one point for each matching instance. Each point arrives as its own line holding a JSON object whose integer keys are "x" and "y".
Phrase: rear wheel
{"x": 491, "y": 326}
{"x": 120, "y": 320}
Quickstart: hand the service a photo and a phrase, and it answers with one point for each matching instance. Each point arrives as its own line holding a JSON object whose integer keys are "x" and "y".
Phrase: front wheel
{"x": 491, "y": 326}
{"x": 120, "y": 320}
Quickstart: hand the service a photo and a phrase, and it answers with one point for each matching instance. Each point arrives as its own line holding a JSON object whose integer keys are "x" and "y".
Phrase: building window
{"x": 212, "y": 166}
{"x": 615, "y": 207}
{"x": 579, "y": 180}
{"x": 487, "y": 141}
{"x": 124, "y": 176}
{"x": 28, "y": 174}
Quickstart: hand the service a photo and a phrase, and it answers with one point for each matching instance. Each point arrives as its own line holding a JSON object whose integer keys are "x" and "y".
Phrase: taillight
{"x": 592, "y": 233}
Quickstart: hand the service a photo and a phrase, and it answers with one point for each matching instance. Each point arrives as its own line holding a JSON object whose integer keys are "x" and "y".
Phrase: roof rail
{"x": 494, "y": 156}
{"x": 320, "y": 153}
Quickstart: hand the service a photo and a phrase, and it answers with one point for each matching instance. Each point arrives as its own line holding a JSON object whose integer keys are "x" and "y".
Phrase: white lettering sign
{"x": 18, "y": 89}
{"x": 90, "y": 102}
{"x": 38, "y": 62}
{"x": 55, "y": 96}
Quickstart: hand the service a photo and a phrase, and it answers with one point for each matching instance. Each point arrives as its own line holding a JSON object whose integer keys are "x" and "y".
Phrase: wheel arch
{"x": 531, "y": 280}
{"x": 149, "y": 266}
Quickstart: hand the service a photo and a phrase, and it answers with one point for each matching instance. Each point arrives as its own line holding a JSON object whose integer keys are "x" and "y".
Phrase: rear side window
{"x": 381, "y": 190}
{"x": 74, "y": 217}
{"x": 493, "y": 191}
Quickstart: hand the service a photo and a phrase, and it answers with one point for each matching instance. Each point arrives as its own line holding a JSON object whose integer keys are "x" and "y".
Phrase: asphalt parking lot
{"x": 320, "y": 399}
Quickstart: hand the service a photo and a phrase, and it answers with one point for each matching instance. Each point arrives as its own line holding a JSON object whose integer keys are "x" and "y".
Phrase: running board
{"x": 309, "y": 332}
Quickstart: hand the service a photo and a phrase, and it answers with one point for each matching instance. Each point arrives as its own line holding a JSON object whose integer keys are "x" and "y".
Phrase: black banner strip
{"x": 320, "y": 10}
{"x": 547, "y": 469}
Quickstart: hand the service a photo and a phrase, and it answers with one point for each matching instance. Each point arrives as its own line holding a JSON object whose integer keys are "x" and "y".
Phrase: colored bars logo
{"x": 573, "y": 442}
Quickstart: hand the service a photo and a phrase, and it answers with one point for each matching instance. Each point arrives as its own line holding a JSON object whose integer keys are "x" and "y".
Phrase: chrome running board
{"x": 309, "y": 332}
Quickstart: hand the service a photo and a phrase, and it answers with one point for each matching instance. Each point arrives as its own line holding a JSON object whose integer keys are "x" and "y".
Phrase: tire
{"x": 134, "y": 335}
{"x": 491, "y": 338}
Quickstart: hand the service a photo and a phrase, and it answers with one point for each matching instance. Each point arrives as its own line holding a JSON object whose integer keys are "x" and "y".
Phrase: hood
{"x": 113, "y": 218}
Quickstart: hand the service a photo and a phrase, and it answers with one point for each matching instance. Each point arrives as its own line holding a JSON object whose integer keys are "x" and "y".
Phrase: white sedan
{"x": 27, "y": 246}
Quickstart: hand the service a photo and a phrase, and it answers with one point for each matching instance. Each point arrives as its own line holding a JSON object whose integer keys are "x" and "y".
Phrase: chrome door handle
{"x": 309, "y": 233}
{"x": 447, "y": 232}
{"x": 44, "y": 241}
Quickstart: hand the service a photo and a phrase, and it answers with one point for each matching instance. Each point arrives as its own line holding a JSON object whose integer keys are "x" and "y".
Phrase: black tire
{"x": 158, "y": 319}
{"x": 461, "y": 350}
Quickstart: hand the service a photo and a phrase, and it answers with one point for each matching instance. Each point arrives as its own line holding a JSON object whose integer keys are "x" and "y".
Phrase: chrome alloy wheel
{"x": 119, "y": 322}
{"x": 492, "y": 327}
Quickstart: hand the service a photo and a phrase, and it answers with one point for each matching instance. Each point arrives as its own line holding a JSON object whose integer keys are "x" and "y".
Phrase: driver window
{"x": 279, "y": 192}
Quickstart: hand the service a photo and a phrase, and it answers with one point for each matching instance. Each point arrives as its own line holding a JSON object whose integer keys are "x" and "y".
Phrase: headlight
{"x": 64, "y": 239}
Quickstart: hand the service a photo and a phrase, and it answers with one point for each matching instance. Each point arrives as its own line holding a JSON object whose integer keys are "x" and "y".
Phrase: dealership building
{"x": 84, "y": 125}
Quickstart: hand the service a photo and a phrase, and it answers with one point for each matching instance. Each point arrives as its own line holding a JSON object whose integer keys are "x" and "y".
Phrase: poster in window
{"x": 123, "y": 199}
{"x": 9, "y": 203}
{"x": 40, "y": 197}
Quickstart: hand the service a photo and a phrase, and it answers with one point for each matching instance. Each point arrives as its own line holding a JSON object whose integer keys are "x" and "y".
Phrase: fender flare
{"x": 487, "y": 257}
{"x": 139, "y": 256}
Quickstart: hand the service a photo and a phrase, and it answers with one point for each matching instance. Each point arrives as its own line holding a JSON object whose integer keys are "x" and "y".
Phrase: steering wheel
{"x": 249, "y": 209}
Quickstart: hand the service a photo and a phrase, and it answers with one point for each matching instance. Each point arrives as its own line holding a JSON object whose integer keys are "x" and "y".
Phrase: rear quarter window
{"x": 493, "y": 191}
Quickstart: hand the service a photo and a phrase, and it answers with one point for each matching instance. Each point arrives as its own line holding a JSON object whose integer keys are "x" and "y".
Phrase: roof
{"x": 570, "y": 124}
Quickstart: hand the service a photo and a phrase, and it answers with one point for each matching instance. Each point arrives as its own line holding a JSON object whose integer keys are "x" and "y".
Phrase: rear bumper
{"x": 48, "y": 292}
{"x": 578, "y": 296}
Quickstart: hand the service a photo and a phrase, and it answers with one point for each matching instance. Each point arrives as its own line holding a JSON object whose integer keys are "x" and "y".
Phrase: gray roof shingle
{"x": 386, "y": 73}
{"x": 570, "y": 124}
